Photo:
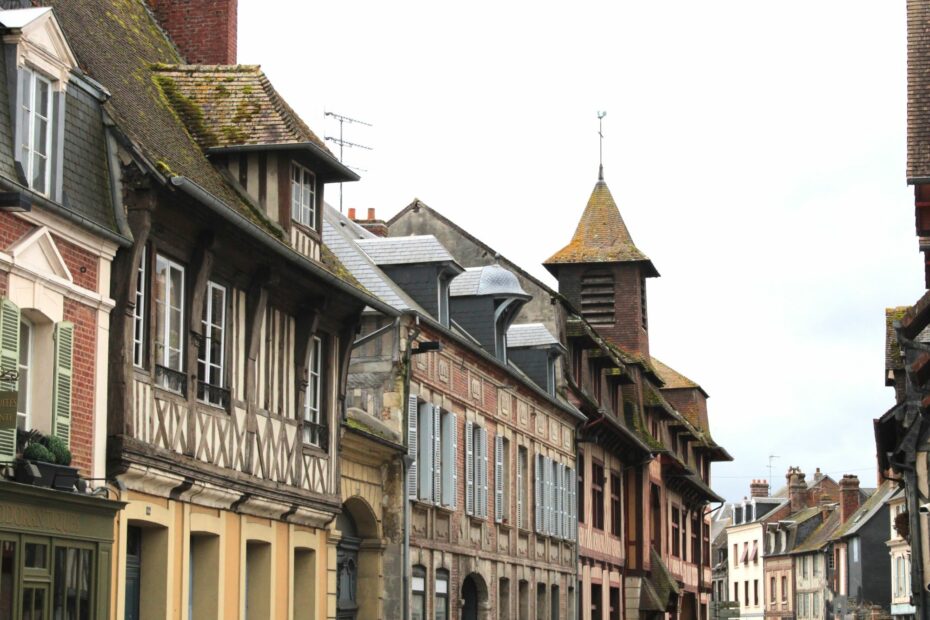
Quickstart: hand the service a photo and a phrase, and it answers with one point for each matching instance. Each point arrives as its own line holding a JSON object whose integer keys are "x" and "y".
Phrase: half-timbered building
{"x": 488, "y": 504}
{"x": 230, "y": 333}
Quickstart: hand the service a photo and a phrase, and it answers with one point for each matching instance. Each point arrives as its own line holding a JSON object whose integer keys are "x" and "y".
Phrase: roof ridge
{"x": 207, "y": 68}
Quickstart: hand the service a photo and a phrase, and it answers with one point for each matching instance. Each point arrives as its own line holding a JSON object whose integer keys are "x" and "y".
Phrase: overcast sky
{"x": 756, "y": 151}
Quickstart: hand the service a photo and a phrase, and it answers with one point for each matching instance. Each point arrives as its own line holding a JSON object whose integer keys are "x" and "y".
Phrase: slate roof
{"x": 820, "y": 536}
{"x": 341, "y": 235}
{"x": 525, "y": 335}
{"x": 232, "y": 105}
{"x": 487, "y": 280}
{"x": 918, "y": 89}
{"x": 410, "y": 250}
{"x": 601, "y": 236}
{"x": 866, "y": 511}
{"x": 119, "y": 44}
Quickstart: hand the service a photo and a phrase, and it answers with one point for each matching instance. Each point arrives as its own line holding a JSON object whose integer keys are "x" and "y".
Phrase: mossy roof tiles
{"x": 672, "y": 378}
{"x": 232, "y": 105}
{"x": 601, "y": 235}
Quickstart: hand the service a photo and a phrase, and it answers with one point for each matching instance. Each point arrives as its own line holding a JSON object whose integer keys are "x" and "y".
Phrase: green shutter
{"x": 9, "y": 361}
{"x": 61, "y": 398}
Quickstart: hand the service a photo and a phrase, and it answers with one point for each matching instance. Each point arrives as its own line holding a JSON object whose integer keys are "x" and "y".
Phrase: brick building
{"x": 58, "y": 237}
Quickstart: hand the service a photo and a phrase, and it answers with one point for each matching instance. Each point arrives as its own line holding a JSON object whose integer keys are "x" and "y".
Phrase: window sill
{"x": 310, "y": 232}
{"x": 312, "y": 450}
{"x": 504, "y": 525}
{"x": 213, "y": 406}
{"x": 477, "y": 520}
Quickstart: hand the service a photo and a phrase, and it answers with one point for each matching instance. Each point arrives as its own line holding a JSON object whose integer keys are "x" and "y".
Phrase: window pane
{"x": 38, "y": 172}
{"x": 40, "y": 135}
{"x": 42, "y": 97}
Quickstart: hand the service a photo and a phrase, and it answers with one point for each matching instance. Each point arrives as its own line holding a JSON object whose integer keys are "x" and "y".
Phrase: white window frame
{"x": 24, "y": 406}
{"x": 303, "y": 202}
{"x": 166, "y": 305}
{"x": 312, "y": 398}
{"x": 208, "y": 326}
{"x": 31, "y": 78}
{"x": 138, "y": 314}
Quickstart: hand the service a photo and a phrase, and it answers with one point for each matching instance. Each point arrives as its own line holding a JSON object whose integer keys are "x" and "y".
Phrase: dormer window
{"x": 36, "y": 130}
{"x": 303, "y": 196}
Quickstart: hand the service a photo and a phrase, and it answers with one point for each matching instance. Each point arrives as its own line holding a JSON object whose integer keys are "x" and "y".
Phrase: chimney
{"x": 826, "y": 507}
{"x": 203, "y": 30}
{"x": 797, "y": 489}
{"x": 759, "y": 488}
{"x": 849, "y": 496}
{"x": 372, "y": 224}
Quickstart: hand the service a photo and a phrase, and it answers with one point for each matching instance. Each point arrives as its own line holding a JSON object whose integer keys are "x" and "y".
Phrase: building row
{"x": 222, "y": 398}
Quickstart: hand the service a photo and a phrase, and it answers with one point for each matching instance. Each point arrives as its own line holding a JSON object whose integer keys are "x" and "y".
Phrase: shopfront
{"x": 55, "y": 553}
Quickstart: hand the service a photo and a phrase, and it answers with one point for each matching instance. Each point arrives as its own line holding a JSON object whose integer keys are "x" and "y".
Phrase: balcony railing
{"x": 171, "y": 379}
{"x": 316, "y": 434}
{"x": 213, "y": 394}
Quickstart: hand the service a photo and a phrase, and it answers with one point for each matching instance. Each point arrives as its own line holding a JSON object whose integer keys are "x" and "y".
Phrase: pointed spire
{"x": 601, "y": 235}
{"x": 600, "y": 173}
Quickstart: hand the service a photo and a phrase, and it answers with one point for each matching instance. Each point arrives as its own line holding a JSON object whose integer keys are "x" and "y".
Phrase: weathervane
{"x": 600, "y": 132}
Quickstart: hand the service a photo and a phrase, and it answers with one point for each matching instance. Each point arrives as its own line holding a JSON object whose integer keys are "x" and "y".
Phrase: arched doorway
{"x": 474, "y": 597}
{"x": 358, "y": 562}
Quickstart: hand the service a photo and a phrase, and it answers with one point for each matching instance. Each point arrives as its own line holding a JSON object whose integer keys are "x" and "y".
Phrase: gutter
{"x": 219, "y": 207}
{"x": 65, "y": 213}
{"x": 340, "y": 172}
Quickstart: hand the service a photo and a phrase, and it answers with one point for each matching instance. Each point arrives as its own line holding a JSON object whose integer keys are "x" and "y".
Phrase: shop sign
{"x": 8, "y": 402}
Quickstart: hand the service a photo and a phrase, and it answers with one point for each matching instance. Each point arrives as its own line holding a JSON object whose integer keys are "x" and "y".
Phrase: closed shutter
{"x": 498, "y": 478}
{"x": 520, "y": 484}
{"x": 560, "y": 515}
{"x": 449, "y": 469}
{"x": 547, "y": 495}
{"x": 469, "y": 468}
{"x": 412, "y": 446}
{"x": 455, "y": 466}
{"x": 570, "y": 484}
{"x": 483, "y": 478}
{"x": 61, "y": 397}
{"x": 9, "y": 362}
{"x": 437, "y": 456}
{"x": 537, "y": 472}
{"x": 426, "y": 452}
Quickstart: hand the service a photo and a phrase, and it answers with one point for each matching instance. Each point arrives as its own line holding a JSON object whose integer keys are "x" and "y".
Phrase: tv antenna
{"x": 772, "y": 457}
{"x": 342, "y": 142}
{"x": 600, "y": 133}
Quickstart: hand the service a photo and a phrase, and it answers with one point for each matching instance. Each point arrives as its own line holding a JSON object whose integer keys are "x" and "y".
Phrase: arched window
{"x": 418, "y": 598}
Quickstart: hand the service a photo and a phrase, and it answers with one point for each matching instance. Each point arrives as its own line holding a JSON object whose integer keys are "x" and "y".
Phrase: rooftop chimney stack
{"x": 372, "y": 224}
{"x": 759, "y": 488}
{"x": 849, "y": 496}
{"x": 205, "y": 31}
{"x": 797, "y": 489}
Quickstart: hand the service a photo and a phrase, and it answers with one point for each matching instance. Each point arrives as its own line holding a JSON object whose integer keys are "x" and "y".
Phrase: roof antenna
{"x": 342, "y": 143}
{"x": 772, "y": 457}
{"x": 600, "y": 132}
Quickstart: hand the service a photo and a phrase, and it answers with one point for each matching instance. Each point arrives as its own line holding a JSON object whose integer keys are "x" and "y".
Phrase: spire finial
{"x": 600, "y": 132}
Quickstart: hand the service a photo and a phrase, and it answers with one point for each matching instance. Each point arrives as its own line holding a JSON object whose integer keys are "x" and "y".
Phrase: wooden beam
{"x": 202, "y": 266}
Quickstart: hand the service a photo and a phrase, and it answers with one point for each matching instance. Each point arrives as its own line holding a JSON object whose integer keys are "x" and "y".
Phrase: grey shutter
{"x": 570, "y": 498}
{"x": 412, "y": 447}
{"x": 62, "y": 388}
{"x": 469, "y": 468}
{"x": 520, "y": 484}
{"x": 550, "y": 496}
{"x": 455, "y": 467}
{"x": 559, "y": 503}
{"x": 437, "y": 456}
{"x": 9, "y": 361}
{"x": 482, "y": 468}
{"x": 540, "y": 500}
{"x": 449, "y": 475}
{"x": 426, "y": 452}
{"x": 498, "y": 478}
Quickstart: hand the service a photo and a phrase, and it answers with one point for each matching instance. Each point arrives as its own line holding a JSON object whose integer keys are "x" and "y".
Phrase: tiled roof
{"x": 405, "y": 250}
{"x": 232, "y": 105}
{"x": 820, "y": 536}
{"x": 893, "y": 358}
{"x": 866, "y": 511}
{"x": 529, "y": 335}
{"x": 340, "y": 235}
{"x": 601, "y": 235}
{"x": 918, "y": 88}
{"x": 487, "y": 280}
{"x": 119, "y": 44}
{"x": 672, "y": 378}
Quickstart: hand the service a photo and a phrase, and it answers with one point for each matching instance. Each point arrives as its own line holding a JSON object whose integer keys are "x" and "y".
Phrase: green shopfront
{"x": 55, "y": 553}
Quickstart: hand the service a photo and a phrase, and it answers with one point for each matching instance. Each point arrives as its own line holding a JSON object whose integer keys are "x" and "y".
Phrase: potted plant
{"x": 45, "y": 462}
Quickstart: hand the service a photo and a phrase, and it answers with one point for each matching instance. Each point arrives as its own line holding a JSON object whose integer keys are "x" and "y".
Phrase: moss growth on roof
{"x": 187, "y": 110}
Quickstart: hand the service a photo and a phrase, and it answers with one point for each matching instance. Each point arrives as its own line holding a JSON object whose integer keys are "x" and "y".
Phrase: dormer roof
{"x": 412, "y": 250}
{"x": 530, "y": 336}
{"x": 236, "y": 108}
{"x": 490, "y": 280}
{"x": 601, "y": 236}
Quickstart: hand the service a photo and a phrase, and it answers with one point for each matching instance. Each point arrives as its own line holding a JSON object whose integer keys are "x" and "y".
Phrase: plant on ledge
{"x": 45, "y": 461}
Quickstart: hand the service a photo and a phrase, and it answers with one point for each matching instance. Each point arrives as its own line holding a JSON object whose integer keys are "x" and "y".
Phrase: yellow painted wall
{"x": 174, "y": 522}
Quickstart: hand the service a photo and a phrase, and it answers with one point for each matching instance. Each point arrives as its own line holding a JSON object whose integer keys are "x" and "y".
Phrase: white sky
{"x": 756, "y": 151}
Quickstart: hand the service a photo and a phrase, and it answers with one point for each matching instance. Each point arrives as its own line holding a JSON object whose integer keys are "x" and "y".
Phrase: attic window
{"x": 36, "y": 130}
{"x": 303, "y": 196}
{"x": 597, "y": 297}
{"x": 642, "y": 302}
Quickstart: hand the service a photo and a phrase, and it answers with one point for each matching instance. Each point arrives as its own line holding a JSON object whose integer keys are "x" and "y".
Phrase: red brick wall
{"x": 204, "y": 30}
{"x": 12, "y": 229}
{"x": 82, "y": 396}
{"x": 77, "y": 259}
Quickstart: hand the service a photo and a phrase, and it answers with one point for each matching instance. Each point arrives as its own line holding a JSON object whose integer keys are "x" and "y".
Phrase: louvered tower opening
{"x": 597, "y": 297}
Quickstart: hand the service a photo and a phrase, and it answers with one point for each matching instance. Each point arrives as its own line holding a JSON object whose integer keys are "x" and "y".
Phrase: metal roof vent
{"x": 491, "y": 280}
